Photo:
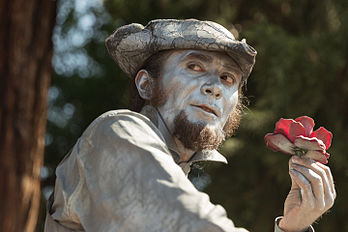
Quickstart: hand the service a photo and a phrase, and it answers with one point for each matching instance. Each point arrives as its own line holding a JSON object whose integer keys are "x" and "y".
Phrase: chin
{"x": 196, "y": 133}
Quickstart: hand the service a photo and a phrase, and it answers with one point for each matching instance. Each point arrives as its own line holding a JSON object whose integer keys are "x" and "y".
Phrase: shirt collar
{"x": 204, "y": 155}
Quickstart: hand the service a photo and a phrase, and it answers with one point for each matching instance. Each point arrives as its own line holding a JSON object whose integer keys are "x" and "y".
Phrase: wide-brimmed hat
{"x": 131, "y": 45}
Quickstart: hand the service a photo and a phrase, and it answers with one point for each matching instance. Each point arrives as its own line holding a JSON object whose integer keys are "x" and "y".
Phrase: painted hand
{"x": 315, "y": 182}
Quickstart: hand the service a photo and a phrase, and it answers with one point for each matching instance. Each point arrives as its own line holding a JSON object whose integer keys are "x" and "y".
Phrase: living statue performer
{"x": 128, "y": 171}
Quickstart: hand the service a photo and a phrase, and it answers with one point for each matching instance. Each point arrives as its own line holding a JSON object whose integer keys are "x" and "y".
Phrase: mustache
{"x": 213, "y": 109}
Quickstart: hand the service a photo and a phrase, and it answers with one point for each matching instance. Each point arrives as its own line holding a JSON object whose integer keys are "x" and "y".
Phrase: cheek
{"x": 231, "y": 103}
{"x": 175, "y": 98}
{"x": 178, "y": 92}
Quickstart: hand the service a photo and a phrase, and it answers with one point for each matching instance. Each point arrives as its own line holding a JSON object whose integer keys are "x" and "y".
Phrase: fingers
{"x": 330, "y": 178}
{"x": 313, "y": 183}
{"x": 331, "y": 192}
{"x": 320, "y": 178}
{"x": 308, "y": 199}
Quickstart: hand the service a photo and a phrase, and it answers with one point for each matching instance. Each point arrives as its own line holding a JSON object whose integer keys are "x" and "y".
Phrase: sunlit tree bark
{"x": 25, "y": 71}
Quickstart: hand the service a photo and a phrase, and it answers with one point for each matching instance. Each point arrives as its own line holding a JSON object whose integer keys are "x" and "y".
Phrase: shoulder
{"x": 119, "y": 138}
{"x": 119, "y": 115}
{"x": 122, "y": 125}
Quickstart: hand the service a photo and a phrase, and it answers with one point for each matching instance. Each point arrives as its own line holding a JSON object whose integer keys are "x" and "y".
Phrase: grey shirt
{"x": 124, "y": 174}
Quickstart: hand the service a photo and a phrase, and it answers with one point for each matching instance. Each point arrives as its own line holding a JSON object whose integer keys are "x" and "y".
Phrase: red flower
{"x": 296, "y": 137}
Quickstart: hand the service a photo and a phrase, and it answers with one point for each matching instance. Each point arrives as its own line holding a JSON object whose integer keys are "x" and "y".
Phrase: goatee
{"x": 196, "y": 136}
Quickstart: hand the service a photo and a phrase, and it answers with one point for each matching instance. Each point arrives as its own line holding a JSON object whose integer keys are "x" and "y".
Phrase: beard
{"x": 198, "y": 136}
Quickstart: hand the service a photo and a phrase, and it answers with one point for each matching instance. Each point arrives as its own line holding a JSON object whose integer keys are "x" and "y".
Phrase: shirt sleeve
{"x": 128, "y": 181}
{"x": 277, "y": 229}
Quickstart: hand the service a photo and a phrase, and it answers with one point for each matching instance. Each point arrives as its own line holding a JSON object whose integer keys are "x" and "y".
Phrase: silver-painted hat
{"x": 131, "y": 45}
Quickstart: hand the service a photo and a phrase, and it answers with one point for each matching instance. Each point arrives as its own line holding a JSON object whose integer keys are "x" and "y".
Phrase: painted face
{"x": 202, "y": 84}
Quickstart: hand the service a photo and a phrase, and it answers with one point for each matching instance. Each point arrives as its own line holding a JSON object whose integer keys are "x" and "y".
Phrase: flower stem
{"x": 300, "y": 152}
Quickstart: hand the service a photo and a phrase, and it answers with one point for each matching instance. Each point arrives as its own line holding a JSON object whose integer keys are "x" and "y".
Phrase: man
{"x": 128, "y": 171}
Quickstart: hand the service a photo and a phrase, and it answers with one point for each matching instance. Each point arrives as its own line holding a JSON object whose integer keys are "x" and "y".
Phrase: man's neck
{"x": 184, "y": 153}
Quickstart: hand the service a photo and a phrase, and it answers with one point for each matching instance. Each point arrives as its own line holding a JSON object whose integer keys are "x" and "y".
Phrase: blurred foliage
{"x": 301, "y": 69}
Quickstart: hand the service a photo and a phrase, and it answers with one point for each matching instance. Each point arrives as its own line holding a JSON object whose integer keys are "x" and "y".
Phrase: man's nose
{"x": 212, "y": 88}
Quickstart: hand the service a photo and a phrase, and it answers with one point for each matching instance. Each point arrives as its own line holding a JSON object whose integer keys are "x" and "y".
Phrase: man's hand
{"x": 314, "y": 181}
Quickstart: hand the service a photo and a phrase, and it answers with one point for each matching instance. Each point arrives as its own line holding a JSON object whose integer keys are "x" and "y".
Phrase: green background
{"x": 301, "y": 69}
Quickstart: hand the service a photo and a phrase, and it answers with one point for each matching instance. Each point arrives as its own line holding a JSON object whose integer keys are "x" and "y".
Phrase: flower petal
{"x": 307, "y": 143}
{"x": 308, "y": 124}
{"x": 318, "y": 156}
{"x": 295, "y": 130}
{"x": 278, "y": 142}
{"x": 324, "y": 135}
{"x": 283, "y": 126}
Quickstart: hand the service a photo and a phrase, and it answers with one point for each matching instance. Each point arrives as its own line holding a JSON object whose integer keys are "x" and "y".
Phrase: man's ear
{"x": 144, "y": 82}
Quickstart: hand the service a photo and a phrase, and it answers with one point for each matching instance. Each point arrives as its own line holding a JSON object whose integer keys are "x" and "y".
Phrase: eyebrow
{"x": 232, "y": 67}
{"x": 199, "y": 56}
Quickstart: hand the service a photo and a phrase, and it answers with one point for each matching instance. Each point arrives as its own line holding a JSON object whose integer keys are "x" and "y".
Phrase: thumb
{"x": 293, "y": 181}
{"x": 294, "y": 185}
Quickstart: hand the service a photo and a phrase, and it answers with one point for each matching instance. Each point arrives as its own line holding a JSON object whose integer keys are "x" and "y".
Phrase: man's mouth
{"x": 208, "y": 109}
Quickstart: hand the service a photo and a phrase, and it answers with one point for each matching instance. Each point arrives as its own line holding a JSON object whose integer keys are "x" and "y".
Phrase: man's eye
{"x": 228, "y": 78}
{"x": 195, "y": 67}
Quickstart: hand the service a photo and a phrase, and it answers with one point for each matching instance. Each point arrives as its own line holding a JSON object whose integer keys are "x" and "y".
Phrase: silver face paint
{"x": 203, "y": 84}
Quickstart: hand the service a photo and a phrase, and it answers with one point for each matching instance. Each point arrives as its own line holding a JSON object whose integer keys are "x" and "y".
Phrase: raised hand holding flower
{"x": 296, "y": 137}
{"x": 312, "y": 190}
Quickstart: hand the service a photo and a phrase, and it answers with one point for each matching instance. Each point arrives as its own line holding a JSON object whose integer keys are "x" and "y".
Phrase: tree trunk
{"x": 25, "y": 71}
